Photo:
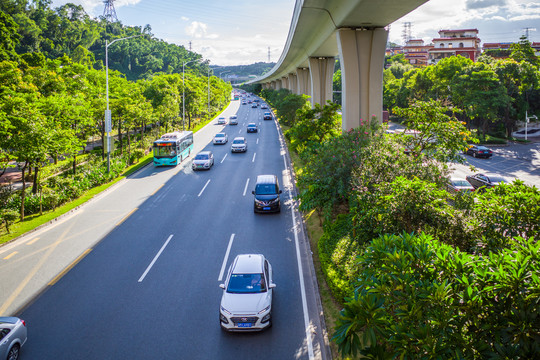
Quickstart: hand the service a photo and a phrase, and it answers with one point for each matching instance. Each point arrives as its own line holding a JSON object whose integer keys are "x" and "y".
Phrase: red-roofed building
{"x": 463, "y": 42}
{"x": 416, "y": 52}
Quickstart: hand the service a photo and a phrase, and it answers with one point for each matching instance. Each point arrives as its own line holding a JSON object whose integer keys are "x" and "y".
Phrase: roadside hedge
{"x": 417, "y": 298}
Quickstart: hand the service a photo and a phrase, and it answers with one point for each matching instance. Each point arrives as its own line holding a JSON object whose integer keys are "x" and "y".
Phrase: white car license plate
{"x": 244, "y": 325}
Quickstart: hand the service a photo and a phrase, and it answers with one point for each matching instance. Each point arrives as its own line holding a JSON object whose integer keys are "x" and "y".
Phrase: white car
{"x": 246, "y": 304}
{"x": 12, "y": 337}
{"x": 233, "y": 120}
{"x": 220, "y": 139}
{"x": 221, "y": 120}
{"x": 203, "y": 161}
{"x": 239, "y": 144}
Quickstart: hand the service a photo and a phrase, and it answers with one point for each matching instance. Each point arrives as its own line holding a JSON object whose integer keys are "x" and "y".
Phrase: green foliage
{"x": 337, "y": 254}
{"x": 325, "y": 181}
{"x": 505, "y": 212}
{"x": 419, "y": 299}
{"x": 438, "y": 135}
{"x": 313, "y": 126}
{"x": 522, "y": 51}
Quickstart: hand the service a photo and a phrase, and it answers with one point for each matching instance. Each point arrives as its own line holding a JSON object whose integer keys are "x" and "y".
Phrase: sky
{"x": 242, "y": 32}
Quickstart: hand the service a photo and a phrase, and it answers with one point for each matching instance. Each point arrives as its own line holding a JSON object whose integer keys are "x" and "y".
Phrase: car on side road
{"x": 479, "y": 151}
{"x": 482, "y": 181}
{"x": 233, "y": 120}
{"x": 203, "y": 161}
{"x": 267, "y": 116}
{"x": 252, "y": 128}
{"x": 13, "y": 335}
{"x": 456, "y": 184}
{"x": 239, "y": 144}
{"x": 266, "y": 194}
{"x": 222, "y": 121}
{"x": 220, "y": 139}
{"x": 246, "y": 303}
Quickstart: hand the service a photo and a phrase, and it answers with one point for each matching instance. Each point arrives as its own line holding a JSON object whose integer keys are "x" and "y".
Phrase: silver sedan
{"x": 12, "y": 337}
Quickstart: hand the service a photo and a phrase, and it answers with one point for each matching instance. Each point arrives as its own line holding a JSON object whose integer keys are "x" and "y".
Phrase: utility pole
{"x": 269, "y": 54}
{"x": 109, "y": 13}
{"x": 189, "y": 45}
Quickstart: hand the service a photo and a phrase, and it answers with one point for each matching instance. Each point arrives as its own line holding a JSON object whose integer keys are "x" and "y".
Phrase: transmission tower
{"x": 527, "y": 29}
{"x": 109, "y": 13}
{"x": 406, "y": 34}
{"x": 269, "y": 54}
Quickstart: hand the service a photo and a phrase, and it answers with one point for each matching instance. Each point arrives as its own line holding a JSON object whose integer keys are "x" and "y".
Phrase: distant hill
{"x": 240, "y": 73}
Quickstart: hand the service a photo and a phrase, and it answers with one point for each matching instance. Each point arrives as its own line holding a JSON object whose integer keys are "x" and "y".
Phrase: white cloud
{"x": 184, "y": 18}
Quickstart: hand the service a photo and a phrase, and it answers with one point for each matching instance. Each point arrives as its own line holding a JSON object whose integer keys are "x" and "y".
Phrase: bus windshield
{"x": 164, "y": 149}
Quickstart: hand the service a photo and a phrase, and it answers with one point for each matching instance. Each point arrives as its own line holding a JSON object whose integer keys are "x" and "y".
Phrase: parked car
{"x": 220, "y": 139}
{"x": 246, "y": 303}
{"x": 252, "y": 128}
{"x": 233, "y": 120}
{"x": 221, "y": 120}
{"x": 478, "y": 151}
{"x": 13, "y": 335}
{"x": 203, "y": 161}
{"x": 266, "y": 193}
{"x": 267, "y": 116}
{"x": 239, "y": 144}
{"x": 485, "y": 180}
{"x": 456, "y": 184}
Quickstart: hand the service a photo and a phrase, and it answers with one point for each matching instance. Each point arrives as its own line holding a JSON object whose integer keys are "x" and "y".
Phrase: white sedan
{"x": 246, "y": 304}
{"x": 220, "y": 138}
{"x": 221, "y": 120}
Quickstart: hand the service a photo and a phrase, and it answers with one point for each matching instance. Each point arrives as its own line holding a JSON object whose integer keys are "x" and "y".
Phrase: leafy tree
{"x": 478, "y": 91}
{"x": 9, "y": 37}
{"x": 522, "y": 51}
{"x": 437, "y": 134}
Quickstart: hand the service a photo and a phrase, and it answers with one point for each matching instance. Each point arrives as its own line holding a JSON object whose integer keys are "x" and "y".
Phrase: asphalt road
{"x": 146, "y": 286}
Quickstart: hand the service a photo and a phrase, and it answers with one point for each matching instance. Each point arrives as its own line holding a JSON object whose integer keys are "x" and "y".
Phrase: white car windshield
{"x": 238, "y": 141}
{"x": 201, "y": 157}
{"x": 246, "y": 283}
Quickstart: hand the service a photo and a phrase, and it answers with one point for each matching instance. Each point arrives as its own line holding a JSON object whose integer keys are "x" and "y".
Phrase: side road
{"x": 38, "y": 259}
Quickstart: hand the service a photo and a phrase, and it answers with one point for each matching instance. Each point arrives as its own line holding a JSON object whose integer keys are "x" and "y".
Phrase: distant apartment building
{"x": 497, "y": 50}
{"x": 416, "y": 52}
{"x": 394, "y": 50}
{"x": 463, "y": 42}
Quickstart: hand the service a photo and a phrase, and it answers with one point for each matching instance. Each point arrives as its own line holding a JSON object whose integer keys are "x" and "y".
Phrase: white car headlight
{"x": 225, "y": 310}
{"x": 263, "y": 310}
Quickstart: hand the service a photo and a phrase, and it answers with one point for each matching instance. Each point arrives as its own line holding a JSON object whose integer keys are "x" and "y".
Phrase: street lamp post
{"x": 108, "y": 125}
{"x": 209, "y": 89}
{"x": 527, "y": 121}
{"x": 184, "y": 92}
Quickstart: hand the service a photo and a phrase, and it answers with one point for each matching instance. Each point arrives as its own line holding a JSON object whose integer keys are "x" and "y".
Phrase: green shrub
{"x": 417, "y": 298}
{"x": 337, "y": 254}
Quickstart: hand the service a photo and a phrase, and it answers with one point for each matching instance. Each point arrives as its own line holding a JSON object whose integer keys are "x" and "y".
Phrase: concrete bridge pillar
{"x": 361, "y": 53}
{"x": 273, "y": 85}
{"x": 303, "y": 81}
{"x": 293, "y": 83}
{"x": 322, "y": 71}
{"x": 285, "y": 82}
{"x": 278, "y": 84}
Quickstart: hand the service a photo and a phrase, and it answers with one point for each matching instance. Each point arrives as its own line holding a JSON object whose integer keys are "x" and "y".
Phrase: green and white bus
{"x": 172, "y": 148}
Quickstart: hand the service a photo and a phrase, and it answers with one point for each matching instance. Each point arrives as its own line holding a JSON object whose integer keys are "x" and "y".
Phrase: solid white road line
{"x": 155, "y": 258}
{"x": 245, "y": 188}
{"x": 253, "y": 160}
{"x": 225, "y": 259}
{"x": 257, "y": 141}
{"x": 222, "y": 160}
{"x": 205, "y": 185}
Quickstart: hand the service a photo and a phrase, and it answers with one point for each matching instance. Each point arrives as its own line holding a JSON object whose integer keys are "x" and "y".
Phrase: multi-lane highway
{"x": 154, "y": 253}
